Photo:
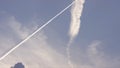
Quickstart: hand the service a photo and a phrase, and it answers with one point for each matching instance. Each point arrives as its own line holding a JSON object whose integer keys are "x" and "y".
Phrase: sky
{"x": 96, "y": 46}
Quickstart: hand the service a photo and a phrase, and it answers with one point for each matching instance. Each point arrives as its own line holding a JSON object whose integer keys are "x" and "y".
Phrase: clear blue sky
{"x": 96, "y": 46}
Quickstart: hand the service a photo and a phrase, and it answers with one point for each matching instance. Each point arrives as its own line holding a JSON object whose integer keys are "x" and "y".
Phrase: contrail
{"x": 76, "y": 12}
{"x": 11, "y": 50}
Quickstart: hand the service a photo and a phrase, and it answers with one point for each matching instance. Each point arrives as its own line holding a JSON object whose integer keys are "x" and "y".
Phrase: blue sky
{"x": 96, "y": 46}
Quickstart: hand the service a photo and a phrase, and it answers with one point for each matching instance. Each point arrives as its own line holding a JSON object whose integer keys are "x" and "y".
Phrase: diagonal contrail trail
{"x": 11, "y": 50}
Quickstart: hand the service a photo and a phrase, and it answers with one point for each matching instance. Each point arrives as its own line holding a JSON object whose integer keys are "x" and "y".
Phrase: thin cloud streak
{"x": 76, "y": 12}
{"x": 31, "y": 35}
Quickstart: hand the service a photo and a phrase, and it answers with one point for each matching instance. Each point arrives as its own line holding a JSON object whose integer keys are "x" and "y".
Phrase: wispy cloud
{"x": 35, "y": 53}
{"x": 98, "y": 58}
{"x": 36, "y": 31}
{"x": 76, "y": 12}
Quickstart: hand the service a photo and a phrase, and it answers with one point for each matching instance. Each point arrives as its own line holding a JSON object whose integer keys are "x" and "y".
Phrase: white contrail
{"x": 76, "y": 13}
{"x": 11, "y": 50}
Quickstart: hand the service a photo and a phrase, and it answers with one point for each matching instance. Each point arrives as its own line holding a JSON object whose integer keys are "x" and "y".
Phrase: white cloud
{"x": 35, "y": 53}
{"x": 98, "y": 59}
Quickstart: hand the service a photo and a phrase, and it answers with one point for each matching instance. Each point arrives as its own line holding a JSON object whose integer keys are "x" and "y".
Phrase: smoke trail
{"x": 31, "y": 35}
{"x": 76, "y": 13}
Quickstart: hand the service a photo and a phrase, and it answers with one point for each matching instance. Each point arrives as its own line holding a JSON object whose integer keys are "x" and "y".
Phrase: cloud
{"x": 35, "y": 53}
{"x": 97, "y": 58}
{"x": 76, "y": 12}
